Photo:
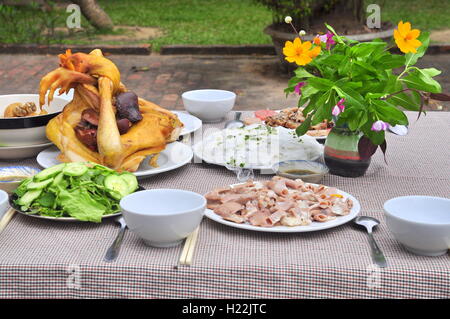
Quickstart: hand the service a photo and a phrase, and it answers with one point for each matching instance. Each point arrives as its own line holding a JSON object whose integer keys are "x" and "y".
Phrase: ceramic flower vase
{"x": 341, "y": 153}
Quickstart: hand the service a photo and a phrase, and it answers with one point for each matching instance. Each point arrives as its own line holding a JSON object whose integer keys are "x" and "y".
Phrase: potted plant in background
{"x": 354, "y": 84}
{"x": 347, "y": 17}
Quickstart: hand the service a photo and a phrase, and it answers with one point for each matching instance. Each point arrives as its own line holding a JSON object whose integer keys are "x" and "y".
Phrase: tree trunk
{"x": 90, "y": 9}
{"x": 95, "y": 14}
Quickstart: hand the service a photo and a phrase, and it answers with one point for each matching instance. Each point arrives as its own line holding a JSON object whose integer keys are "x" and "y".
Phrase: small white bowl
{"x": 209, "y": 105}
{"x": 3, "y": 203}
{"x": 12, "y": 176}
{"x": 291, "y": 168}
{"x": 163, "y": 217}
{"x": 420, "y": 223}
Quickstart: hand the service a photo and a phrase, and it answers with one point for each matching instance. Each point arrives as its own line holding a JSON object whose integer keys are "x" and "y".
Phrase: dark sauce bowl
{"x": 307, "y": 171}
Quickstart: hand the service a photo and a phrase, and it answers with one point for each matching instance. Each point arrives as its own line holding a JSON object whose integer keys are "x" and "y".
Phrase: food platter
{"x": 313, "y": 133}
{"x": 13, "y": 197}
{"x": 191, "y": 123}
{"x": 175, "y": 155}
{"x": 255, "y": 147}
{"x": 314, "y": 226}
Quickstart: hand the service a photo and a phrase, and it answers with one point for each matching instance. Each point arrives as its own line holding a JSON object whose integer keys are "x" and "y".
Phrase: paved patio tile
{"x": 256, "y": 79}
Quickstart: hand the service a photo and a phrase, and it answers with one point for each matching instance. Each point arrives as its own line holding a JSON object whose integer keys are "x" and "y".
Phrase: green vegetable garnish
{"x": 85, "y": 191}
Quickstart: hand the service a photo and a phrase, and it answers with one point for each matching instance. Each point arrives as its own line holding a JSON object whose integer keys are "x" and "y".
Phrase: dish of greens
{"x": 74, "y": 191}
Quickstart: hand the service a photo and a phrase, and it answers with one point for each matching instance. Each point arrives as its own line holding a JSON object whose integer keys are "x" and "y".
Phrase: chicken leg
{"x": 108, "y": 136}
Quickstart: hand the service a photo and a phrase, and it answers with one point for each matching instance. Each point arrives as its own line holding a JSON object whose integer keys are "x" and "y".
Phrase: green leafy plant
{"x": 358, "y": 85}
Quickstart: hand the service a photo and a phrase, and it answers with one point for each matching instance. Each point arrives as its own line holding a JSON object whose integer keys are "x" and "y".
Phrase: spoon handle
{"x": 377, "y": 256}
{"x": 113, "y": 250}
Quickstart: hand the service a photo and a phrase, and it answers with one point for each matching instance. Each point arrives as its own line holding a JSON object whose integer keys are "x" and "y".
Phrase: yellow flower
{"x": 314, "y": 52}
{"x": 299, "y": 52}
{"x": 406, "y": 38}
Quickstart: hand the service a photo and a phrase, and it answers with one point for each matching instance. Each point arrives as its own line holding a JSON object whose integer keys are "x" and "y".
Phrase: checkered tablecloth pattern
{"x": 46, "y": 259}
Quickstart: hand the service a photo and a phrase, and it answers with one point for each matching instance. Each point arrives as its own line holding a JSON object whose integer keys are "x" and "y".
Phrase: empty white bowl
{"x": 163, "y": 217}
{"x": 209, "y": 105}
{"x": 420, "y": 223}
{"x": 3, "y": 203}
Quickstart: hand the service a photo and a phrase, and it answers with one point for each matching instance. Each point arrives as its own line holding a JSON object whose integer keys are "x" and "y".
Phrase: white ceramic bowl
{"x": 420, "y": 223}
{"x": 24, "y": 131}
{"x": 163, "y": 217}
{"x": 209, "y": 105}
{"x": 3, "y": 203}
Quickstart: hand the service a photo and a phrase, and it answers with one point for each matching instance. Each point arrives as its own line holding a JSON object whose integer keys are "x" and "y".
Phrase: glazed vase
{"x": 341, "y": 153}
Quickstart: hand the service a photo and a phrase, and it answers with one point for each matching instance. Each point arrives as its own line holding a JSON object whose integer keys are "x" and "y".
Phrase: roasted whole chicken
{"x": 105, "y": 123}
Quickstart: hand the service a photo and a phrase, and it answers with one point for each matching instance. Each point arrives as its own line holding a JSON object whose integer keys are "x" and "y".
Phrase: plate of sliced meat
{"x": 281, "y": 205}
{"x": 289, "y": 118}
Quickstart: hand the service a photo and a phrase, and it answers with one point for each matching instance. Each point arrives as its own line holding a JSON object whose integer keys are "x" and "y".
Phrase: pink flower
{"x": 341, "y": 104}
{"x": 323, "y": 38}
{"x": 379, "y": 126}
{"x": 330, "y": 40}
{"x": 338, "y": 108}
{"x": 298, "y": 87}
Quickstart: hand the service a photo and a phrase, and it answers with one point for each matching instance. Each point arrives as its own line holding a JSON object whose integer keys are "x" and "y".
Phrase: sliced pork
{"x": 278, "y": 202}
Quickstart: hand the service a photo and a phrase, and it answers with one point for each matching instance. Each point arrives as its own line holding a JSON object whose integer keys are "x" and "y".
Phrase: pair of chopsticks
{"x": 189, "y": 246}
{"x": 6, "y": 218}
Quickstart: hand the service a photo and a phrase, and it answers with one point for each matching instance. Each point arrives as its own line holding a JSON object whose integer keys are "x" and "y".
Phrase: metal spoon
{"x": 369, "y": 223}
{"x": 113, "y": 250}
{"x": 236, "y": 123}
{"x": 400, "y": 130}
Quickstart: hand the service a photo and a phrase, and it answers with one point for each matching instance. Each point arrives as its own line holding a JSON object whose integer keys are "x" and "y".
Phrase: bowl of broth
{"x": 307, "y": 171}
{"x": 12, "y": 176}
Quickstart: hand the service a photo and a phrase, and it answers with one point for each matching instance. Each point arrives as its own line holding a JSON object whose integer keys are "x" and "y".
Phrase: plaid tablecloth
{"x": 45, "y": 259}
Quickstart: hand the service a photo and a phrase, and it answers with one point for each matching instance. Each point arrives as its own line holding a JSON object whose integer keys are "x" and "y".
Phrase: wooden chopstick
{"x": 6, "y": 218}
{"x": 192, "y": 245}
{"x": 189, "y": 247}
{"x": 185, "y": 250}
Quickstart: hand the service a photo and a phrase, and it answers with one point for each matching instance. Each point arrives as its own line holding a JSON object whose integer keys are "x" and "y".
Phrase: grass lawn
{"x": 426, "y": 15}
{"x": 195, "y": 21}
{"x": 214, "y": 21}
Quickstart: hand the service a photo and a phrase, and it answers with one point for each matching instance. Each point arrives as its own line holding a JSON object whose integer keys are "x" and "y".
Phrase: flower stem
{"x": 295, "y": 30}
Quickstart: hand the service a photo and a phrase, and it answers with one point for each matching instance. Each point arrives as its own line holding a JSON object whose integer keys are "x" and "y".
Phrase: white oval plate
{"x": 198, "y": 151}
{"x": 175, "y": 155}
{"x": 314, "y": 226}
{"x": 191, "y": 123}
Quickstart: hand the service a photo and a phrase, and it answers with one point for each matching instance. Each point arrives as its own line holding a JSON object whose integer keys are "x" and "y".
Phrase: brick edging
{"x": 141, "y": 49}
{"x": 262, "y": 49}
{"x": 145, "y": 49}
